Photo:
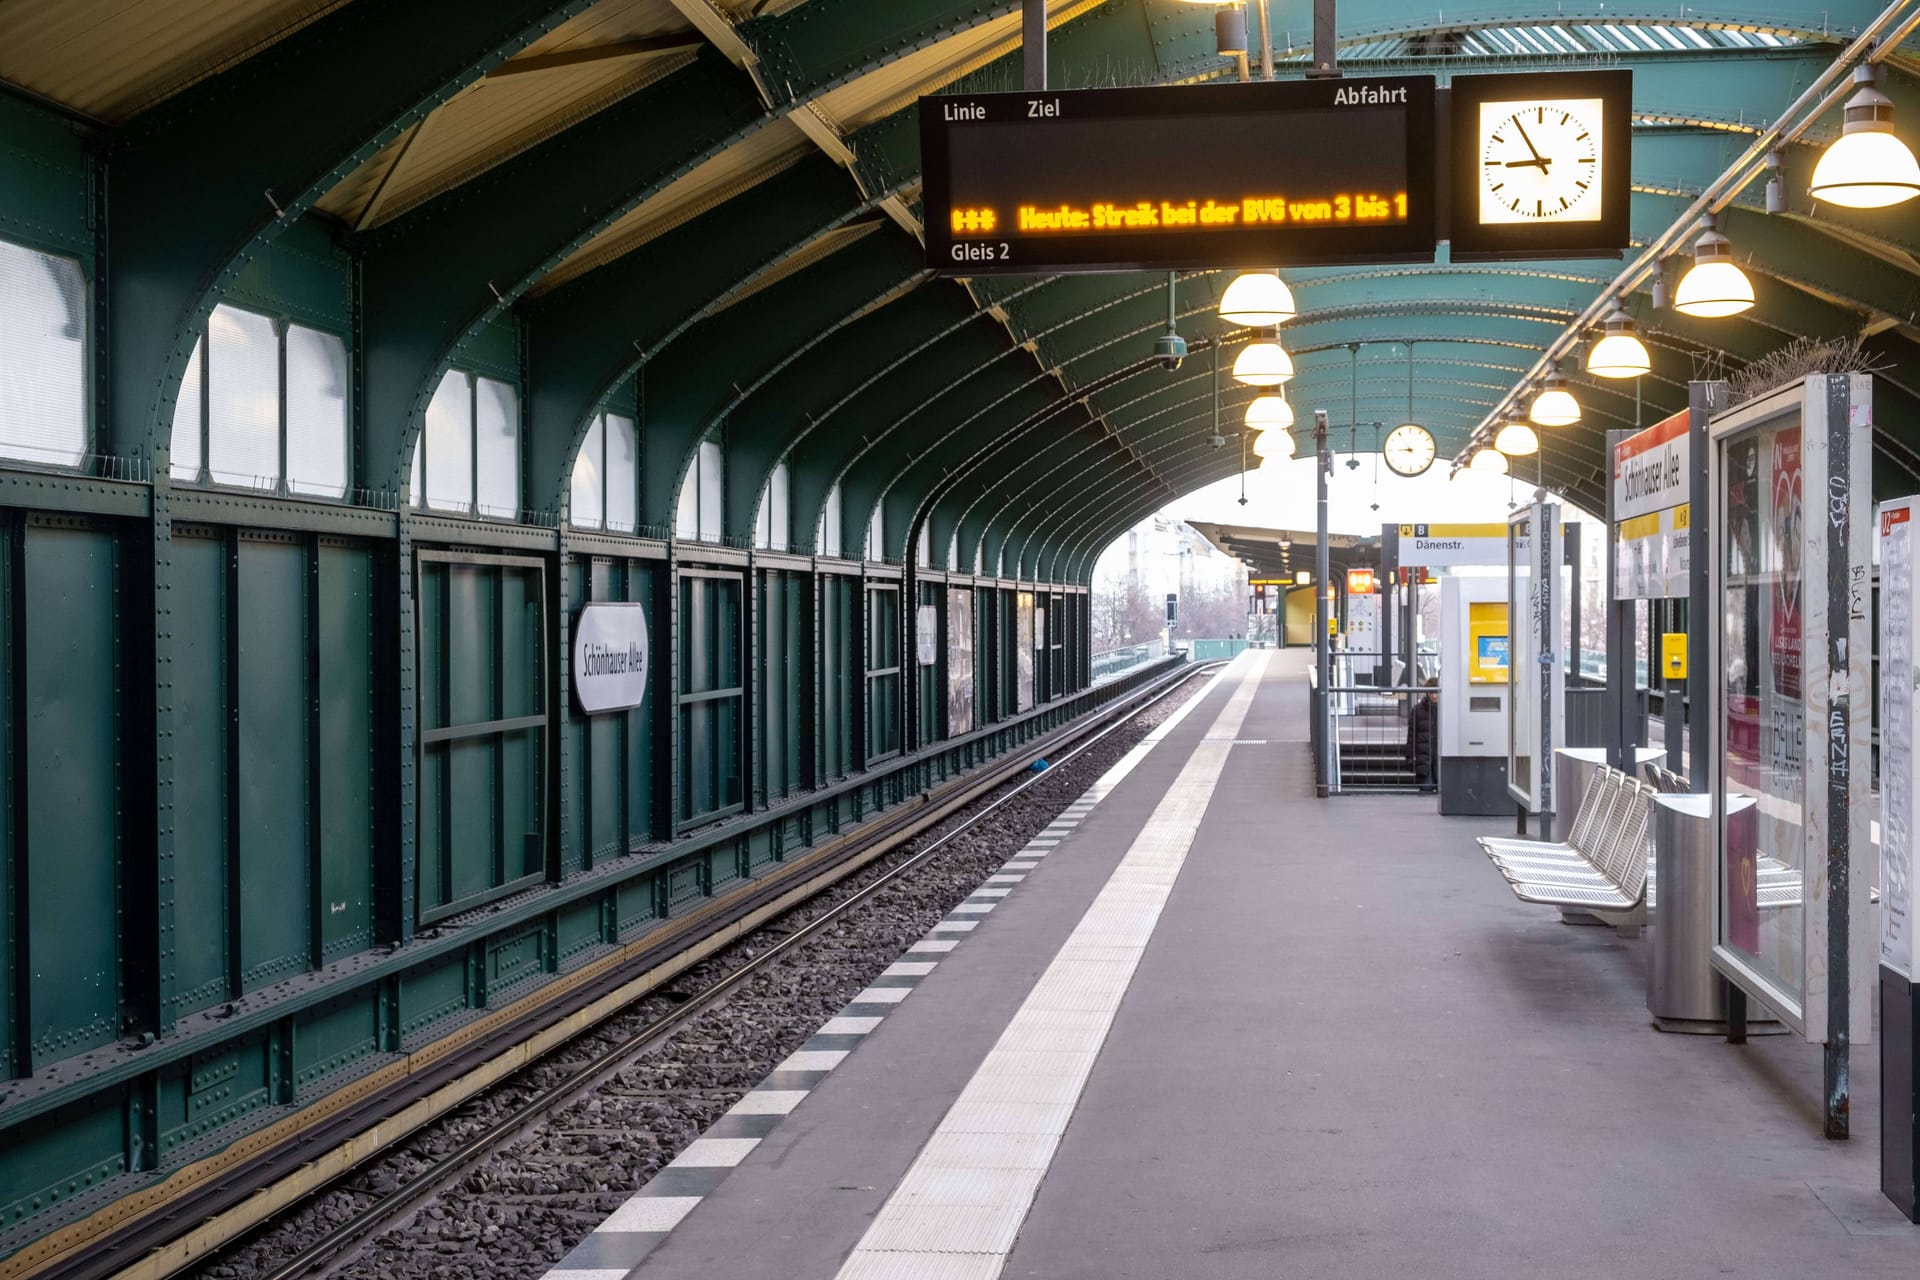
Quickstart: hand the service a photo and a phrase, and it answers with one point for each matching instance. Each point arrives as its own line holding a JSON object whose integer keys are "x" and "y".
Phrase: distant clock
{"x": 1541, "y": 161}
{"x": 1408, "y": 449}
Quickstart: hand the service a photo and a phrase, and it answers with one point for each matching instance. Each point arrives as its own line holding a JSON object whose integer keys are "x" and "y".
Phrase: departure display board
{"x": 1281, "y": 173}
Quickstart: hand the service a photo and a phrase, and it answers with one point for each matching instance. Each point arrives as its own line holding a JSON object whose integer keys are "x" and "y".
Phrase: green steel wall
{"x": 294, "y": 788}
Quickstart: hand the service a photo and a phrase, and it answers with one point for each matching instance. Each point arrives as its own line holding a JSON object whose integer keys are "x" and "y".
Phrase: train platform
{"x": 1207, "y": 1026}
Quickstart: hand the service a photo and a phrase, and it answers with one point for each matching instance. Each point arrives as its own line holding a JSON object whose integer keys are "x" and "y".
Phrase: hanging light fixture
{"x": 1713, "y": 286}
{"x": 1491, "y": 461}
{"x": 1267, "y": 412}
{"x": 1262, "y": 364}
{"x": 1555, "y": 405}
{"x": 1275, "y": 442}
{"x": 1620, "y": 354}
{"x": 1258, "y": 299}
{"x": 1867, "y": 167}
{"x": 1517, "y": 439}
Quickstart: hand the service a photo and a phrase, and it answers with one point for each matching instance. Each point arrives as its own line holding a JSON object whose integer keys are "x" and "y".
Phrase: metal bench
{"x": 1596, "y": 809}
{"x": 1600, "y": 870}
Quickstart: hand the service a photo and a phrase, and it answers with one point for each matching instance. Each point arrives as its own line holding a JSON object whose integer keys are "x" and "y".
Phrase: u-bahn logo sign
{"x": 610, "y": 657}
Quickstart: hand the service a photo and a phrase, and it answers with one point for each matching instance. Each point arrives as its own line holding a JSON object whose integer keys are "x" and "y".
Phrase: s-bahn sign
{"x": 1276, "y": 173}
{"x": 610, "y": 657}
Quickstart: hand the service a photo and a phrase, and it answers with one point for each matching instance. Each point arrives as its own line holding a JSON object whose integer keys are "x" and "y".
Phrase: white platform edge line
{"x": 788, "y": 1099}
{"x": 1163, "y": 842}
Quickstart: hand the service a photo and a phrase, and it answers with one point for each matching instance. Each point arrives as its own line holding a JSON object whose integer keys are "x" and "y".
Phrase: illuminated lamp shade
{"x": 1555, "y": 405}
{"x": 1303, "y": 577}
{"x": 1517, "y": 439}
{"x": 1491, "y": 461}
{"x": 1620, "y": 353}
{"x": 1262, "y": 364}
{"x": 1713, "y": 286}
{"x": 1267, "y": 412}
{"x": 1258, "y": 299}
{"x": 1274, "y": 442}
{"x": 1867, "y": 167}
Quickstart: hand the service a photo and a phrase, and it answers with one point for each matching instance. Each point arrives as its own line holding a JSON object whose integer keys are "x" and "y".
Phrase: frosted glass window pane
{"x": 877, "y": 534}
{"x": 186, "y": 420}
{"x": 686, "y": 511}
{"x": 243, "y": 399}
{"x": 587, "y": 508}
{"x": 924, "y": 555}
{"x": 623, "y": 474}
{"x": 709, "y": 491}
{"x": 779, "y": 517}
{"x": 953, "y": 555}
{"x": 763, "y": 525}
{"x": 830, "y": 524}
{"x": 316, "y": 412}
{"x": 450, "y": 444}
{"x": 418, "y": 488}
{"x": 43, "y": 359}
{"x": 497, "y": 429}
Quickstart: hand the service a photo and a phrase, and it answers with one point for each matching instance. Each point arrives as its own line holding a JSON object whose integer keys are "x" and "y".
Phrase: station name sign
{"x": 1652, "y": 519}
{"x": 610, "y": 657}
{"x": 1275, "y": 173}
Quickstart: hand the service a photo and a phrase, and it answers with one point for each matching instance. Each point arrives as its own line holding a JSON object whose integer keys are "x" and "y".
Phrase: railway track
{"x": 379, "y": 1209}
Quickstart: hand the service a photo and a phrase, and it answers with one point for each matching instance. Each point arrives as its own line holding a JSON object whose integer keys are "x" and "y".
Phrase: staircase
{"x": 1376, "y": 766}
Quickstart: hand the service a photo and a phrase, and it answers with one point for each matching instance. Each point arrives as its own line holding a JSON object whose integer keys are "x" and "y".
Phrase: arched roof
{"x": 718, "y": 199}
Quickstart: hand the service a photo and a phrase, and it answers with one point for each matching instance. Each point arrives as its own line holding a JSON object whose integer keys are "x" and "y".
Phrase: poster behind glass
{"x": 1023, "y": 651}
{"x": 959, "y": 661}
{"x": 1763, "y": 727}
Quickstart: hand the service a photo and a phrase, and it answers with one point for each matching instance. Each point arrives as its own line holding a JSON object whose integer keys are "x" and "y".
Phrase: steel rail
{"x": 344, "y": 1241}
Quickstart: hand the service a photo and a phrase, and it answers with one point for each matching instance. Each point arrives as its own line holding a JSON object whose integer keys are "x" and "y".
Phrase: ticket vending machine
{"x": 1474, "y": 686}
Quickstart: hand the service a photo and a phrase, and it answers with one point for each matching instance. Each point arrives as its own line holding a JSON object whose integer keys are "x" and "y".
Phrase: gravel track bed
{"x": 527, "y": 1206}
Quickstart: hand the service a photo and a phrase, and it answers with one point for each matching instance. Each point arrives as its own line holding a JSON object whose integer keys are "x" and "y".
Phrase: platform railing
{"x": 1384, "y": 738}
{"x": 1115, "y": 661}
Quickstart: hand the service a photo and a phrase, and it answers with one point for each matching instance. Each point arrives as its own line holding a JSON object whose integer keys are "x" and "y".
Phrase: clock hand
{"x": 1538, "y": 158}
{"x": 1541, "y": 165}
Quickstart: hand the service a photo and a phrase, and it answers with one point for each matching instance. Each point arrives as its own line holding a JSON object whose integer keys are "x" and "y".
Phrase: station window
{"x": 468, "y": 457}
{"x": 830, "y": 524}
{"x": 770, "y": 534}
{"x": 263, "y": 405}
{"x": 883, "y": 672}
{"x": 877, "y": 534}
{"x": 697, "y": 513}
{"x": 923, "y": 548}
{"x": 43, "y": 357}
{"x": 606, "y": 475}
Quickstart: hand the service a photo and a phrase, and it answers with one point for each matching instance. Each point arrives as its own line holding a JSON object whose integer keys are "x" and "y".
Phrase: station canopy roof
{"x": 1281, "y": 553}
{"x": 722, "y": 197}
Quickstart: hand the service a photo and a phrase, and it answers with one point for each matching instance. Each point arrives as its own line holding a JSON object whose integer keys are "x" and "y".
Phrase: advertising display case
{"x": 1536, "y": 670}
{"x": 1790, "y": 481}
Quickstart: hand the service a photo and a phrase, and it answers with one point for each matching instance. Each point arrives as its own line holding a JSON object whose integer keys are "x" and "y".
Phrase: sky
{"x": 1280, "y": 495}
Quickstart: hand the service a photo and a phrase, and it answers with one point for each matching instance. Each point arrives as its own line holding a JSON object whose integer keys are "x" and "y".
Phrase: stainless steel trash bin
{"x": 1683, "y": 991}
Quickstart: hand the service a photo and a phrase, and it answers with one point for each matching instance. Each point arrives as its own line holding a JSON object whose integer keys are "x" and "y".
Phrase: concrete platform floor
{"x": 1347, "y": 1052}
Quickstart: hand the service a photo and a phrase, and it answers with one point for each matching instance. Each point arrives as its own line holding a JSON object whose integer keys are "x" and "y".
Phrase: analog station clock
{"x": 1408, "y": 449}
{"x": 1541, "y": 161}
{"x": 1539, "y": 164}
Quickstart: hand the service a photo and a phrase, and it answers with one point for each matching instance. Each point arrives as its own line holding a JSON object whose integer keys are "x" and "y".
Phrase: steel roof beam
{"x": 207, "y": 177}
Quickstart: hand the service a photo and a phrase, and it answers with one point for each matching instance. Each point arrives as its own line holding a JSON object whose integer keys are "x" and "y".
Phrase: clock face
{"x": 1540, "y": 161}
{"x": 1408, "y": 449}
